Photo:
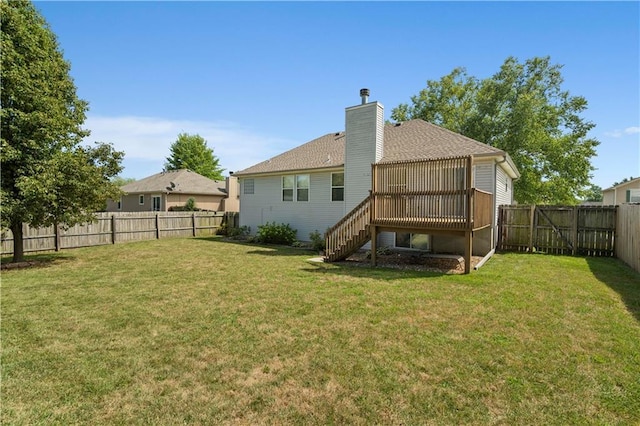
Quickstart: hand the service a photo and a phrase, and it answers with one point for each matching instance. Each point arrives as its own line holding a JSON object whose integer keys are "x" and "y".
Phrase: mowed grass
{"x": 201, "y": 331}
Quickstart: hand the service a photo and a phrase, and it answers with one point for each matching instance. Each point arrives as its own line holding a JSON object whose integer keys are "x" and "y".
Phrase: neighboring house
{"x": 164, "y": 190}
{"x": 627, "y": 192}
{"x": 374, "y": 178}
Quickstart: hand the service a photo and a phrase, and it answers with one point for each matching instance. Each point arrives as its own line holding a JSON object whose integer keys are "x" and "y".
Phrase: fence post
{"x": 157, "y": 226}
{"x": 113, "y": 229}
{"x": 193, "y": 223}
{"x": 57, "y": 236}
{"x": 532, "y": 213}
{"x": 574, "y": 231}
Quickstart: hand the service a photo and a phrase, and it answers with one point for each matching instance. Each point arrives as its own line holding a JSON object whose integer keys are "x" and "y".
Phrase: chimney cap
{"x": 364, "y": 95}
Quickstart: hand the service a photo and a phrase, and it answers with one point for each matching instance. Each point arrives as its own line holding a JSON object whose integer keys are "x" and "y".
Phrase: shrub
{"x": 272, "y": 233}
{"x": 317, "y": 241}
{"x": 232, "y": 232}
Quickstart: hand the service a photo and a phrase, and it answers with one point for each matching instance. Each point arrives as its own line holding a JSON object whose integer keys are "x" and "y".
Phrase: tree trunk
{"x": 18, "y": 245}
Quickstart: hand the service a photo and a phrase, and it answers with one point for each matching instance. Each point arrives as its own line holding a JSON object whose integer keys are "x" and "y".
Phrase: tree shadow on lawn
{"x": 265, "y": 249}
{"x": 361, "y": 270}
{"x": 621, "y": 278}
{"x": 42, "y": 260}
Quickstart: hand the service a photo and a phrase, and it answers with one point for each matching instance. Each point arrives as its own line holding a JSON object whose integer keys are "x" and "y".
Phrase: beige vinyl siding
{"x": 266, "y": 205}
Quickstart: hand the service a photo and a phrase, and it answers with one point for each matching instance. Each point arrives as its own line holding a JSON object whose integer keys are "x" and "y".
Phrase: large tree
{"x": 191, "y": 152}
{"x": 523, "y": 110}
{"x": 48, "y": 177}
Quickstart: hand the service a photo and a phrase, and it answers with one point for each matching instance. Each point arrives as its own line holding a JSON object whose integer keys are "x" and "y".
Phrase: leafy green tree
{"x": 523, "y": 110}
{"x": 47, "y": 176}
{"x": 594, "y": 193}
{"x": 191, "y": 152}
{"x": 122, "y": 181}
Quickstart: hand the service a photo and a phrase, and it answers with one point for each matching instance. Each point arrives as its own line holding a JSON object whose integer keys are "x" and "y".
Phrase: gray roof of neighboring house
{"x": 176, "y": 181}
{"x": 410, "y": 140}
{"x": 627, "y": 183}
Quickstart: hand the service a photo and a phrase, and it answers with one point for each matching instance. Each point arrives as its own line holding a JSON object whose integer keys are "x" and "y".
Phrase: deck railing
{"x": 435, "y": 194}
{"x": 421, "y": 195}
{"x": 482, "y": 209}
{"x": 350, "y": 233}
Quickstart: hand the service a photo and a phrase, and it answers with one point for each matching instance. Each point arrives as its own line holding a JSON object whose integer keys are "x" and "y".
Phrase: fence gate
{"x": 582, "y": 230}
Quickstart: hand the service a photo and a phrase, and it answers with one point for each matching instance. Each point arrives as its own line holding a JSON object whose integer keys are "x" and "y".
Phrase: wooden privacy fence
{"x": 111, "y": 228}
{"x": 628, "y": 235}
{"x": 582, "y": 230}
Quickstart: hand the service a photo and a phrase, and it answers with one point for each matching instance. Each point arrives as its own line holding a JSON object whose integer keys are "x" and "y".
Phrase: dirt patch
{"x": 20, "y": 265}
{"x": 400, "y": 259}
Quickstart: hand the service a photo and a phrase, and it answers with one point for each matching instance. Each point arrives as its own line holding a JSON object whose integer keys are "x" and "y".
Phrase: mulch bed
{"x": 406, "y": 260}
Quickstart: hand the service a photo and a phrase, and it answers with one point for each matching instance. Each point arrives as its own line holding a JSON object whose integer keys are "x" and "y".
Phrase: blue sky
{"x": 258, "y": 78}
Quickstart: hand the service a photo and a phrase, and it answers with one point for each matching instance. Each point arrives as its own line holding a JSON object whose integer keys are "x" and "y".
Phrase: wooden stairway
{"x": 349, "y": 234}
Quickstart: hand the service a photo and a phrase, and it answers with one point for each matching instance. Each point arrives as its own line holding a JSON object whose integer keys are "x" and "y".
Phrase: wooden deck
{"x": 426, "y": 196}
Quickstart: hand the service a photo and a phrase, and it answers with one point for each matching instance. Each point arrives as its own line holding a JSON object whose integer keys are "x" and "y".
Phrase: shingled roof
{"x": 410, "y": 140}
{"x": 176, "y": 181}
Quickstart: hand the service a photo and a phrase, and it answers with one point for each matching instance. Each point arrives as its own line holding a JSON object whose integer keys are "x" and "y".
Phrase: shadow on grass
{"x": 264, "y": 249}
{"x": 360, "y": 270}
{"x": 42, "y": 260}
{"x": 620, "y": 278}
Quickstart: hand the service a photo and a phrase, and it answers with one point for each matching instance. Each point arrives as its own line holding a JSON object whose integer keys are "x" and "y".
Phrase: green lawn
{"x": 200, "y": 331}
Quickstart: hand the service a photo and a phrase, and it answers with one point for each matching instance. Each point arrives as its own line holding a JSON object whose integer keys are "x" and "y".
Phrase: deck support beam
{"x": 468, "y": 250}
{"x": 374, "y": 245}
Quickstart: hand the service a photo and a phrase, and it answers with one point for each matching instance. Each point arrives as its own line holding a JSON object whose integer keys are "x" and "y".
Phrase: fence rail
{"x": 583, "y": 230}
{"x": 120, "y": 227}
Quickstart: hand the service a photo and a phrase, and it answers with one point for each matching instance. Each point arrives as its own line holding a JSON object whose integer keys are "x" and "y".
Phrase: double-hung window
{"x": 295, "y": 188}
{"x": 337, "y": 186}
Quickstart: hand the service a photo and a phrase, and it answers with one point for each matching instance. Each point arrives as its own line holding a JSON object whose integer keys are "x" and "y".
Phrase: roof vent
{"x": 364, "y": 94}
{"x": 337, "y": 134}
{"x": 398, "y": 124}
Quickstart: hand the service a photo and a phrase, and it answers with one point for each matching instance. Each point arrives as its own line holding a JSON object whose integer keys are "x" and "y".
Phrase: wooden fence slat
{"x": 109, "y": 228}
{"x": 576, "y": 230}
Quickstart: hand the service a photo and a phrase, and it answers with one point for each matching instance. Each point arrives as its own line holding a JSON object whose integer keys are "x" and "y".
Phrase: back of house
{"x": 313, "y": 186}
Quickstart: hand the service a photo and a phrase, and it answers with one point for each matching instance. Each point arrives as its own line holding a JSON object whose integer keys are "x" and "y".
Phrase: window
{"x": 141, "y": 200}
{"x": 287, "y": 188}
{"x": 302, "y": 188}
{"x": 156, "y": 203}
{"x": 337, "y": 186}
{"x": 120, "y": 203}
{"x": 633, "y": 196}
{"x": 249, "y": 186}
{"x": 295, "y": 184}
{"x": 413, "y": 241}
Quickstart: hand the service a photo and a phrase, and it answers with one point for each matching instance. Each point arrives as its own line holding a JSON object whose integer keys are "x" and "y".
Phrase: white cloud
{"x": 147, "y": 140}
{"x": 620, "y": 133}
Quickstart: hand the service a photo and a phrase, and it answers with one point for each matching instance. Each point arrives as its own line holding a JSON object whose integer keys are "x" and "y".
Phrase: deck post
{"x": 374, "y": 244}
{"x": 468, "y": 249}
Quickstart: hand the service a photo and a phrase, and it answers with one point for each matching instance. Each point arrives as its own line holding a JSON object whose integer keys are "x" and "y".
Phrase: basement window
{"x": 413, "y": 241}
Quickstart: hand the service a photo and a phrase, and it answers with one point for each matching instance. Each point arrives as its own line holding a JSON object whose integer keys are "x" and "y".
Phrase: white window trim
{"x": 141, "y": 199}
{"x": 332, "y": 186}
{"x": 295, "y": 189}
{"x": 153, "y": 197}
